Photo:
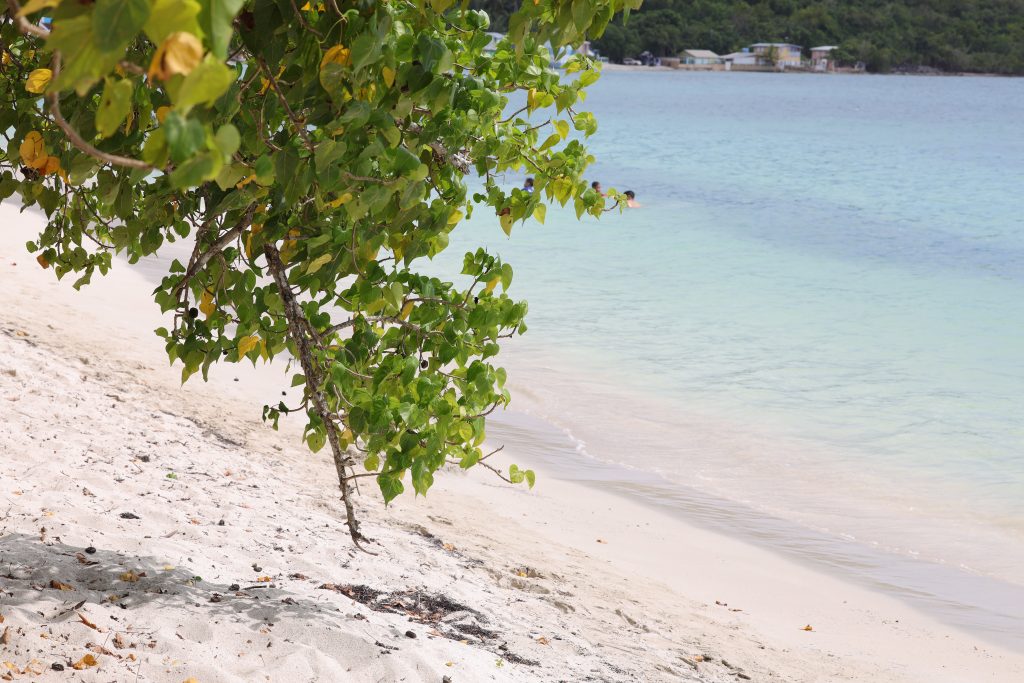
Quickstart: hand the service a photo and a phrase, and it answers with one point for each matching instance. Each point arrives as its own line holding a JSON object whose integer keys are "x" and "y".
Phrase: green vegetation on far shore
{"x": 886, "y": 35}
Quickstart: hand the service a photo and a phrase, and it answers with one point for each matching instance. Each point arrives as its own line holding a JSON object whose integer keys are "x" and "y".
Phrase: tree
{"x": 312, "y": 153}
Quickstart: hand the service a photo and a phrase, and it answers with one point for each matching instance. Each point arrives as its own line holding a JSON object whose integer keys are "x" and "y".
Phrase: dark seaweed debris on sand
{"x": 449, "y": 618}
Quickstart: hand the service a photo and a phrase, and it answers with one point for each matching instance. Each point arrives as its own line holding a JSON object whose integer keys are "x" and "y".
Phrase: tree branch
{"x": 23, "y": 24}
{"x": 198, "y": 263}
{"x": 77, "y": 140}
{"x": 297, "y": 325}
{"x": 299, "y": 127}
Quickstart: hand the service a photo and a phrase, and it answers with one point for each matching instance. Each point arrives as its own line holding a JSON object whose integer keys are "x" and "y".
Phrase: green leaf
{"x": 506, "y": 223}
{"x": 229, "y": 176}
{"x": 205, "y": 83}
{"x": 216, "y": 17}
{"x": 204, "y": 166}
{"x": 116, "y": 22}
{"x": 563, "y": 128}
{"x": 155, "y": 150}
{"x": 552, "y": 140}
{"x": 316, "y": 440}
{"x": 540, "y": 212}
{"x": 115, "y": 103}
{"x": 531, "y": 478}
{"x": 84, "y": 64}
{"x": 227, "y": 139}
{"x": 184, "y": 136}
{"x": 170, "y": 16}
{"x": 365, "y": 50}
{"x": 390, "y": 486}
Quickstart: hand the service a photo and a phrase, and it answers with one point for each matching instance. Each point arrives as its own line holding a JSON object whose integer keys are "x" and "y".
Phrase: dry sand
{"x": 220, "y": 553}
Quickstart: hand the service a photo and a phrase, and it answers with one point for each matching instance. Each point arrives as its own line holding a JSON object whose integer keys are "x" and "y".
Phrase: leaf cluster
{"x": 311, "y": 155}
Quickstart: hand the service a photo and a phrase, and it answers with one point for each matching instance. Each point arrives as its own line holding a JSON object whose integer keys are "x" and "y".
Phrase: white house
{"x": 740, "y": 59}
{"x": 701, "y": 57}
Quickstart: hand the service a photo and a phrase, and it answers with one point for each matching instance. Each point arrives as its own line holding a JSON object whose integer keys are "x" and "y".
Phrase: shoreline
{"x": 610, "y": 66}
{"x": 663, "y": 615}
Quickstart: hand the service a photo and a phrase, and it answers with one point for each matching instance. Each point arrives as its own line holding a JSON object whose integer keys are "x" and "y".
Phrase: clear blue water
{"x": 816, "y": 316}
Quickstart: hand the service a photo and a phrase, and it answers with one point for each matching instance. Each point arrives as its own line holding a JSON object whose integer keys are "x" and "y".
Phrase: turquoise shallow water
{"x": 817, "y": 316}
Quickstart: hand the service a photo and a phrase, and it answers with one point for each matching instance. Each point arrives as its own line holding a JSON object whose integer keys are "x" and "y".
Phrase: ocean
{"x": 810, "y": 334}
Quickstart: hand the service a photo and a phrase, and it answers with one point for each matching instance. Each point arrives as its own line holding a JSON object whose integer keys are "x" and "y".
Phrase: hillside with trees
{"x": 886, "y": 35}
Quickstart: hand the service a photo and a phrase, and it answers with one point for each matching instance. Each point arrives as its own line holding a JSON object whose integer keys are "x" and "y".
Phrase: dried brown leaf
{"x": 85, "y": 662}
{"x": 60, "y": 585}
{"x": 88, "y": 623}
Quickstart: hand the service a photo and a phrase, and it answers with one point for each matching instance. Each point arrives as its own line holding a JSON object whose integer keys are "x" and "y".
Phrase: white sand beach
{"x": 154, "y": 532}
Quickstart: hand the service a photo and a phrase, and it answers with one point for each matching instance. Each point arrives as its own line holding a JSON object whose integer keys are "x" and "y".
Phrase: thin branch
{"x": 76, "y": 139}
{"x": 302, "y": 20}
{"x": 222, "y": 242}
{"x": 513, "y": 115}
{"x": 23, "y": 24}
{"x": 299, "y": 127}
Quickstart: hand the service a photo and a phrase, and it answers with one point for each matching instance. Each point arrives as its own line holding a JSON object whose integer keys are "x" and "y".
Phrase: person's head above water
{"x": 630, "y": 194}
{"x": 528, "y": 183}
{"x": 596, "y": 186}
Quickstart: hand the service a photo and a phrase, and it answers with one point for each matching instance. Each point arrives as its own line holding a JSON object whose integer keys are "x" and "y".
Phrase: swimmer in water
{"x": 528, "y": 185}
{"x": 596, "y": 187}
{"x": 631, "y": 201}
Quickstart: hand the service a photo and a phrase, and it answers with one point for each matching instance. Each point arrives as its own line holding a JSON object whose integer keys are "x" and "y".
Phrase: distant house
{"x": 740, "y": 59}
{"x": 821, "y": 58}
{"x": 777, "y": 54}
{"x": 700, "y": 57}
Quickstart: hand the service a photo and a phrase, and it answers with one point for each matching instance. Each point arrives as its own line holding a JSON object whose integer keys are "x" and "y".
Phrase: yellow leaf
{"x": 319, "y": 263}
{"x": 180, "y": 53}
{"x": 130, "y": 577}
{"x": 33, "y": 151}
{"x": 206, "y": 304}
{"x": 247, "y": 344}
{"x": 455, "y": 217}
{"x": 264, "y": 579}
{"x": 168, "y": 567}
{"x": 406, "y": 310}
{"x": 339, "y": 54}
{"x": 491, "y": 284}
{"x": 162, "y": 112}
{"x": 531, "y": 99}
{"x": 85, "y": 662}
{"x": 191, "y": 679}
{"x": 129, "y": 120}
{"x": 343, "y": 199}
{"x": 389, "y": 75}
{"x": 38, "y": 80}
{"x": 5, "y": 59}
{"x": 50, "y": 166}
{"x": 807, "y": 628}
{"x": 42, "y": 261}
{"x": 245, "y": 181}
{"x": 506, "y": 223}
{"x": 36, "y": 5}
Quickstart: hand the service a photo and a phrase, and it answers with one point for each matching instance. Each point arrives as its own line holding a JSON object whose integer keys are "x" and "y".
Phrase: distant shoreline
{"x": 608, "y": 66}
